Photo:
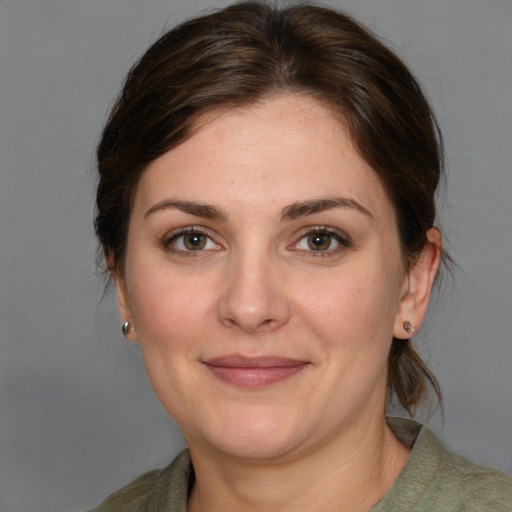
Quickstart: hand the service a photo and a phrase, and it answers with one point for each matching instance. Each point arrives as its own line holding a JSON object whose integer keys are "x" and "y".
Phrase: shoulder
{"x": 165, "y": 490}
{"x": 135, "y": 491}
{"x": 437, "y": 480}
{"x": 477, "y": 488}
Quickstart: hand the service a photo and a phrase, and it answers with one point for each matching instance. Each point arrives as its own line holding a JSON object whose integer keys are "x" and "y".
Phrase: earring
{"x": 409, "y": 327}
{"x": 126, "y": 328}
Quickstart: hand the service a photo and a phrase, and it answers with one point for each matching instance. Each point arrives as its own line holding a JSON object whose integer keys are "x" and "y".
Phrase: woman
{"x": 266, "y": 210}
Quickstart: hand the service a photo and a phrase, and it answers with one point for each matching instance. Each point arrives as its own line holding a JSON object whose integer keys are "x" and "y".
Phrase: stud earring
{"x": 126, "y": 328}
{"x": 409, "y": 327}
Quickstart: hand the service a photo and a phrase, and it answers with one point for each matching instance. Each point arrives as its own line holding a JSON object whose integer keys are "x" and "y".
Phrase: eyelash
{"x": 336, "y": 235}
{"x": 172, "y": 237}
{"x": 341, "y": 238}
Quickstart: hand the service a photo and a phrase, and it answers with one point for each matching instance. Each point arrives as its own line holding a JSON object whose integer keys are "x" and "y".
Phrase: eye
{"x": 321, "y": 240}
{"x": 190, "y": 240}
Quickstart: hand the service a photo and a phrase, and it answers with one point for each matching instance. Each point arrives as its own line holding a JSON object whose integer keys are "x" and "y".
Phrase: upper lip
{"x": 239, "y": 361}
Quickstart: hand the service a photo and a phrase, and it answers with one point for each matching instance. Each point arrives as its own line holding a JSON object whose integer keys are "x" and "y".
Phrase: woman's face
{"x": 264, "y": 279}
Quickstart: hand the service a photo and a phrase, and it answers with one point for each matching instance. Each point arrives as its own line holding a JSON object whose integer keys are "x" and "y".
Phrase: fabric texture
{"x": 433, "y": 480}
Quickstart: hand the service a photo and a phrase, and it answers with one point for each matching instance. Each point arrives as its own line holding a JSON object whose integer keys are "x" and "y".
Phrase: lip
{"x": 254, "y": 372}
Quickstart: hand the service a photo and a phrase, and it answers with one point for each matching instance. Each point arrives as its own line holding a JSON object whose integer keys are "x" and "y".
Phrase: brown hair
{"x": 246, "y": 52}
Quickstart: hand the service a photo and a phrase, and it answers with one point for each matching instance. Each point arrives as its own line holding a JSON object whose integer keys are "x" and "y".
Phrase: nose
{"x": 254, "y": 297}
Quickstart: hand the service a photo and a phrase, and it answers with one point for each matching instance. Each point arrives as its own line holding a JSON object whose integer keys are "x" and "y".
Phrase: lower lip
{"x": 255, "y": 377}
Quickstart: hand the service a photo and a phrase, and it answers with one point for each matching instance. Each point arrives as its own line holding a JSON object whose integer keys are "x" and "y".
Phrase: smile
{"x": 254, "y": 372}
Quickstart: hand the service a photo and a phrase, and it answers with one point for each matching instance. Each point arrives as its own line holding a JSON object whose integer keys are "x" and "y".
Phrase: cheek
{"x": 351, "y": 310}
{"x": 172, "y": 317}
{"x": 169, "y": 308}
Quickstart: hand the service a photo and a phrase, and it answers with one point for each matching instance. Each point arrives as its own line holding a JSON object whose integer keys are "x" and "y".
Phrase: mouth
{"x": 254, "y": 372}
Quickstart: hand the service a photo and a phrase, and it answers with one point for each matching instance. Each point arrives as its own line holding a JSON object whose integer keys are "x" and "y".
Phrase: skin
{"x": 256, "y": 285}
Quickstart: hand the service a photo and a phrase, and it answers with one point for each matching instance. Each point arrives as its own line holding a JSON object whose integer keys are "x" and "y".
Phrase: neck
{"x": 351, "y": 472}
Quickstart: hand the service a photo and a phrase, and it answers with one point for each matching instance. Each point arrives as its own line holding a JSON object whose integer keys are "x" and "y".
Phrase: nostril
{"x": 250, "y": 326}
{"x": 252, "y": 321}
{"x": 249, "y": 299}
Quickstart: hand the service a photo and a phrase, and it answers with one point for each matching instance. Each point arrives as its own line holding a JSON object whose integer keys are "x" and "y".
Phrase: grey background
{"x": 78, "y": 418}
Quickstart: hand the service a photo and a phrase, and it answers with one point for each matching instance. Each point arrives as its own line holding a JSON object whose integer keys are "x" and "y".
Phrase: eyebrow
{"x": 304, "y": 208}
{"x": 290, "y": 212}
{"x": 198, "y": 209}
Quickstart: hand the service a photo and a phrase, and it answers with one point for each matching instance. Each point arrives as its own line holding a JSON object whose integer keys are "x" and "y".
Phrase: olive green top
{"x": 433, "y": 480}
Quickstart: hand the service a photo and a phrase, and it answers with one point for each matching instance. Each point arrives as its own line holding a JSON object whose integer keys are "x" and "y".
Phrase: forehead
{"x": 282, "y": 150}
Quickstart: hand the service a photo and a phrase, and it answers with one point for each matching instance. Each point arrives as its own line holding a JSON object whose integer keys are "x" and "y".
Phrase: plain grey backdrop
{"x": 78, "y": 418}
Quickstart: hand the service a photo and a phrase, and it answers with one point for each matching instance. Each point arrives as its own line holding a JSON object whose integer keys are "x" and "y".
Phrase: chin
{"x": 254, "y": 448}
{"x": 257, "y": 437}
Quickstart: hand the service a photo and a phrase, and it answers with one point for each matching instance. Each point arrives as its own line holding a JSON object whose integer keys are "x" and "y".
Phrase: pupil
{"x": 195, "y": 241}
{"x": 319, "y": 242}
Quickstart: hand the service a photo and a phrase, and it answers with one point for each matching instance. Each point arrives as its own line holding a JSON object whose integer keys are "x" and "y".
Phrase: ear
{"x": 123, "y": 303}
{"x": 418, "y": 287}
